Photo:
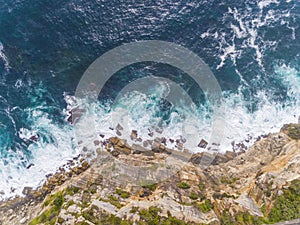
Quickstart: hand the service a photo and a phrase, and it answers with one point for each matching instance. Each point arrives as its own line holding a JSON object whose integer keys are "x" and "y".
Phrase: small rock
{"x": 150, "y": 133}
{"x": 96, "y": 142}
{"x": 119, "y": 127}
{"x": 133, "y": 135}
{"x": 202, "y": 144}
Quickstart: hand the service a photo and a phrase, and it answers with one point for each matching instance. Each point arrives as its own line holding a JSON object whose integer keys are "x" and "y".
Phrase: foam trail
{"x": 3, "y": 57}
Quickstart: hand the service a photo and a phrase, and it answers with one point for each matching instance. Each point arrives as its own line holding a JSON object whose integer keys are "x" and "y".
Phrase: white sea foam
{"x": 52, "y": 149}
{"x": 57, "y": 143}
{"x": 3, "y": 57}
{"x": 245, "y": 25}
{"x": 139, "y": 112}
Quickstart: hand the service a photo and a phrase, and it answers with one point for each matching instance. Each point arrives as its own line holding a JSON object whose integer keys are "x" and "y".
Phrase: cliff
{"x": 130, "y": 185}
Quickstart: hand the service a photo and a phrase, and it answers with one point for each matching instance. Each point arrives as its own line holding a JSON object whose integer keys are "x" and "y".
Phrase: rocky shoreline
{"x": 130, "y": 184}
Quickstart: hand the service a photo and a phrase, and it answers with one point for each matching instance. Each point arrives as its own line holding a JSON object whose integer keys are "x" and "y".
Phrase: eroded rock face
{"x": 200, "y": 191}
{"x": 292, "y": 130}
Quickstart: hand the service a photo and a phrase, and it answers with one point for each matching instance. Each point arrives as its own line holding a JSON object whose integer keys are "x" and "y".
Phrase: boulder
{"x": 134, "y": 135}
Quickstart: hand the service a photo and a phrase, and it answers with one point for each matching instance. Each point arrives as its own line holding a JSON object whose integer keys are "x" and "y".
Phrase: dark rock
{"x": 118, "y": 133}
{"x": 30, "y": 165}
{"x": 96, "y": 142}
{"x": 137, "y": 149}
{"x": 145, "y": 192}
{"x": 145, "y": 144}
{"x": 150, "y": 133}
{"x": 159, "y": 130}
{"x": 203, "y": 144}
{"x": 179, "y": 145}
{"x": 119, "y": 127}
{"x": 115, "y": 153}
{"x": 196, "y": 158}
{"x": 34, "y": 138}
{"x": 75, "y": 115}
{"x": 27, "y": 191}
{"x": 133, "y": 135}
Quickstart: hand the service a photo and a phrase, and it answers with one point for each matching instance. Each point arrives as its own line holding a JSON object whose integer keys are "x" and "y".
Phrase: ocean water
{"x": 252, "y": 47}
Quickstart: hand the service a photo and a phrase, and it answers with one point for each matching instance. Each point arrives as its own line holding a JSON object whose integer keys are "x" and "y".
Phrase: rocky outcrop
{"x": 159, "y": 184}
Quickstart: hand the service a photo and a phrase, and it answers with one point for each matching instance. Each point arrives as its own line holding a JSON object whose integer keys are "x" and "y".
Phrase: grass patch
{"x": 151, "y": 187}
{"x": 122, "y": 193}
{"x": 206, "y": 206}
{"x": 183, "y": 185}
{"x": 193, "y": 196}
{"x": 225, "y": 180}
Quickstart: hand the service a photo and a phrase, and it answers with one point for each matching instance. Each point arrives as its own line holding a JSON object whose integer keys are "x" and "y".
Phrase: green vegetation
{"x": 287, "y": 205}
{"x": 206, "y": 206}
{"x": 218, "y": 195}
{"x": 122, "y": 193}
{"x": 49, "y": 216}
{"x": 293, "y": 131}
{"x": 134, "y": 209}
{"x": 183, "y": 185}
{"x": 69, "y": 203}
{"x": 241, "y": 218}
{"x": 201, "y": 186}
{"x": 151, "y": 187}
{"x": 225, "y": 180}
{"x": 72, "y": 190}
{"x": 193, "y": 196}
{"x": 114, "y": 201}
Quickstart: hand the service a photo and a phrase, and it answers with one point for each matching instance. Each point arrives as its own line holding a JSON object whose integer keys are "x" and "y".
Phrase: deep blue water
{"x": 252, "y": 47}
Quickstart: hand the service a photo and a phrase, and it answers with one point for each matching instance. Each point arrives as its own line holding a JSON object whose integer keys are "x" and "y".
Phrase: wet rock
{"x": 163, "y": 141}
{"x": 179, "y": 146}
{"x": 150, "y": 133}
{"x": 118, "y": 133}
{"x": 96, "y": 142}
{"x": 159, "y": 130}
{"x": 27, "y": 191}
{"x": 75, "y": 115}
{"x": 34, "y": 138}
{"x": 29, "y": 166}
{"x": 134, "y": 135}
{"x": 145, "y": 144}
{"x": 202, "y": 144}
{"x": 119, "y": 127}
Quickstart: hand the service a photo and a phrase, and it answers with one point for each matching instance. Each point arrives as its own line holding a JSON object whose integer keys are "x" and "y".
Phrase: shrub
{"x": 151, "y": 187}
{"x": 287, "y": 206}
{"x": 183, "y": 185}
{"x": 206, "y": 206}
{"x": 193, "y": 196}
{"x": 123, "y": 194}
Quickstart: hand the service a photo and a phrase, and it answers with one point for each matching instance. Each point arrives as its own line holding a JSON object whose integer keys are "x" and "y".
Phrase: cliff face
{"x": 127, "y": 185}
